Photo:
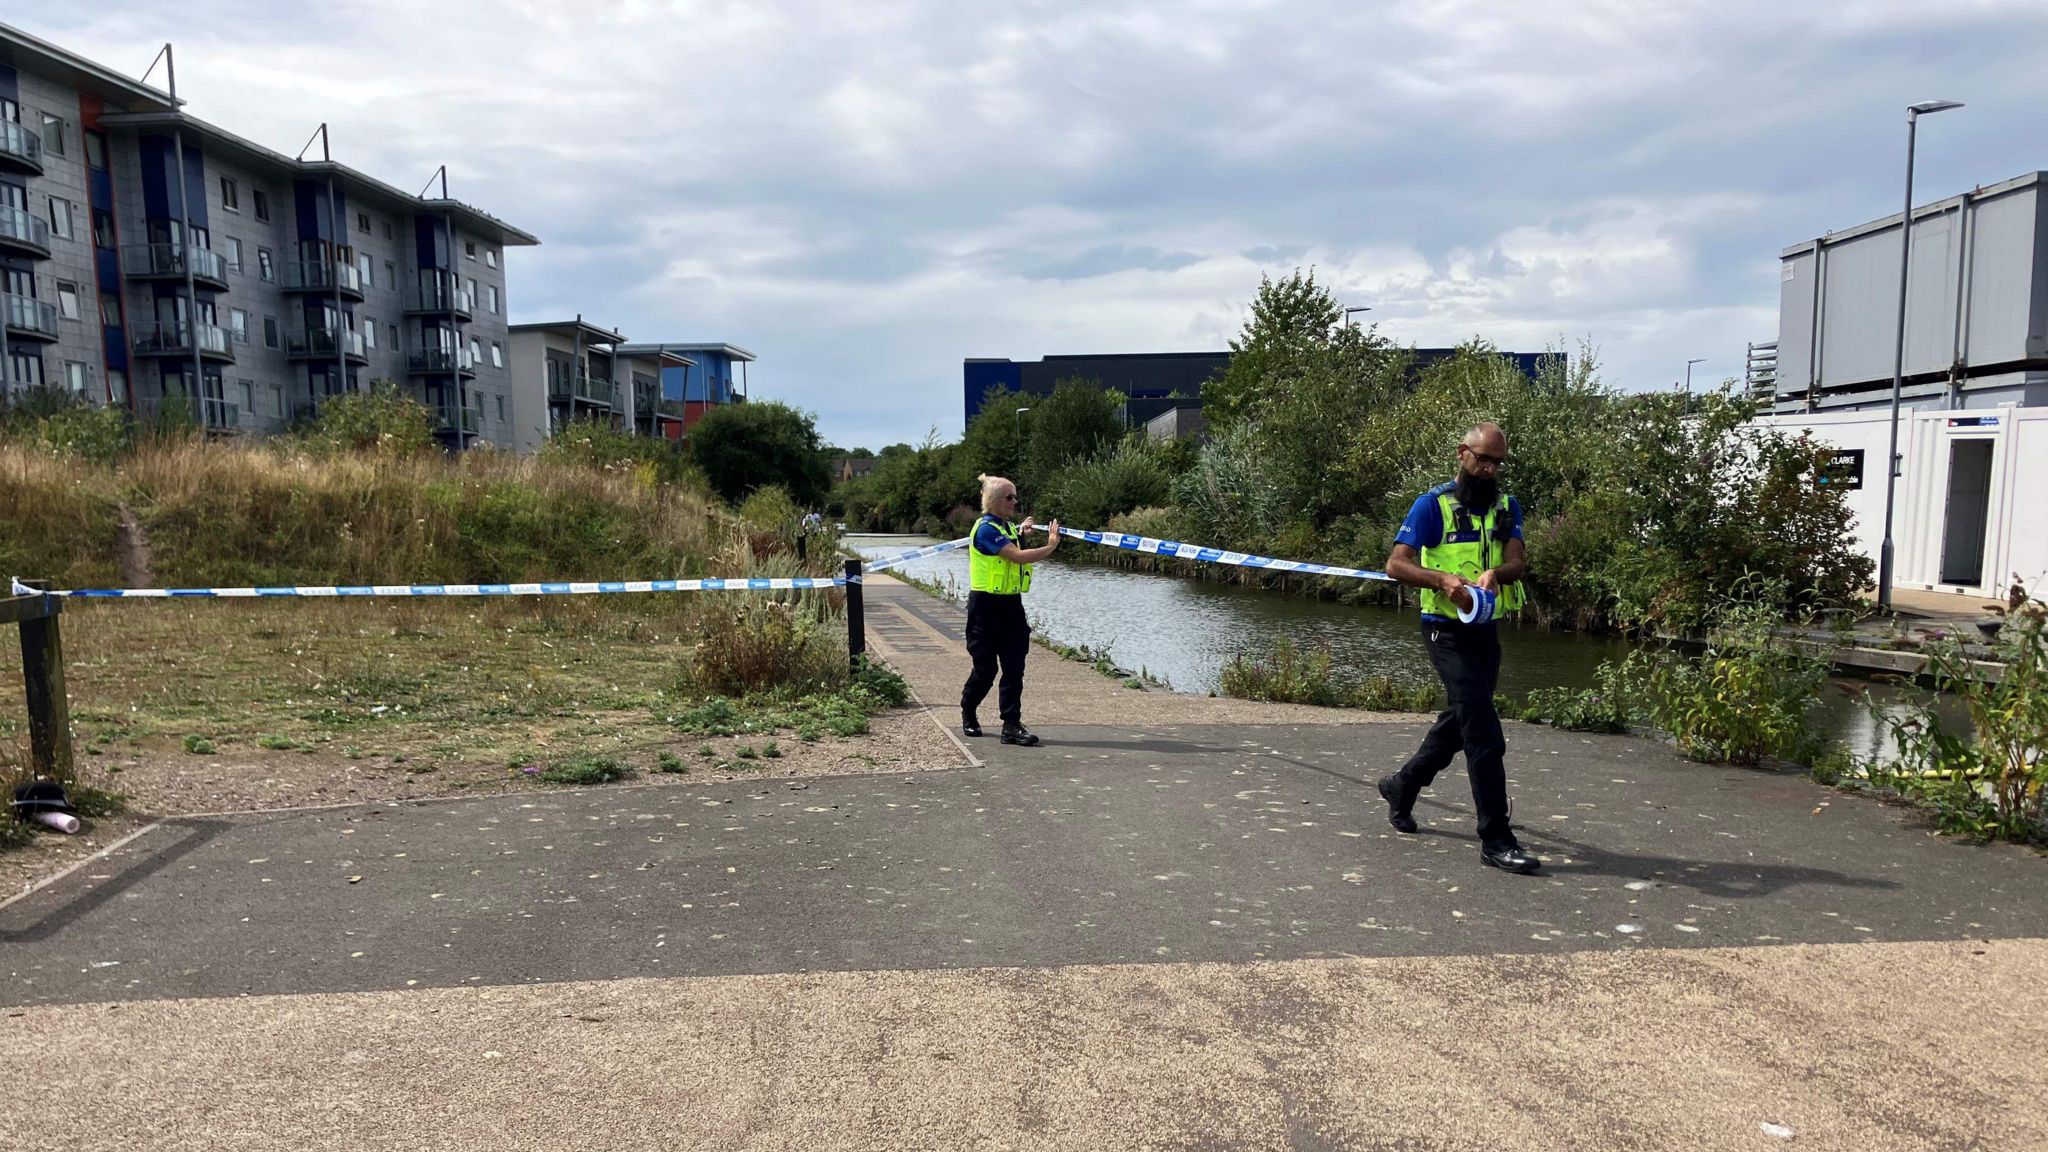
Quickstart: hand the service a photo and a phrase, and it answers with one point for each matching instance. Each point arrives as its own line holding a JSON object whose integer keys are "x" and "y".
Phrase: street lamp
{"x": 1891, "y": 459}
{"x": 1349, "y": 311}
{"x": 1688, "y": 372}
{"x": 1017, "y": 420}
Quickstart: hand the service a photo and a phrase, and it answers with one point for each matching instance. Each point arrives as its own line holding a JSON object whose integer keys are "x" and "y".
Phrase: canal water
{"x": 1183, "y": 631}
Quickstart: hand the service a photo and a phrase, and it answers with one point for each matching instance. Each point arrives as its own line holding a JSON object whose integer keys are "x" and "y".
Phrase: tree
{"x": 1291, "y": 318}
{"x": 1076, "y": 422}
{"x": 742, "y": 447}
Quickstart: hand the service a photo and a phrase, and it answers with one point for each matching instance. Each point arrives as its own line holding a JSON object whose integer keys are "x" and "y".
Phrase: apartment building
{"x": 153, "y": 260}
{"x": 709, "y": 374}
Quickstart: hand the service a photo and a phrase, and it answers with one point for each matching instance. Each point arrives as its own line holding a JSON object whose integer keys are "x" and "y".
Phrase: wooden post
{"x": 856, "y": 624}
{"x": 42, "y": 668}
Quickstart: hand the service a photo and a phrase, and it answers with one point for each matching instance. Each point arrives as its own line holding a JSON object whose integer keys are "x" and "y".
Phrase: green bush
{"x": 1089, "y": 492}
{"x": 382, "y": 420}
{"x": 1288, "y": 674}
{"x": 586, "y": 770}
{"x": 1601, "y": 708}
{"x": 600, "y": 446}
{"x": 1748, "y": 695}
{"x": 1991, "y": 782}
{"x": 763, "y": 645}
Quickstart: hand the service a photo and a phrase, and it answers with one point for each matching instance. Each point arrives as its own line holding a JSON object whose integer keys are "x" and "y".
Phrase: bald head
{"x": 1487, "y": 438}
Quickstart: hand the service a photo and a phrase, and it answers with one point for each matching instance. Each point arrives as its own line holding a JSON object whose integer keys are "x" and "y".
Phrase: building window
{"x": 110, "y": 309}
{"x": 469, "y": 249}
{"x": 497, "y": 354}
{"x": 491, "y": 257}
{"x": 230, "y": 196}
{"x": 96, "y": 151}
{"x": 363, "y": 223}
{"x": 117, "y": 386}
{"x": 363, "y": 267}
{"x": 264, "y": 268}
{"x": 102, "y": 228}
{"x": 390, "y": 275}
{"x": 74, "y": 376}
{"x": 67, "y": 300}
{"x": 277, "y": 400}
{"x": 472, "y": 290}
{"x": 53, "y": 134}
{"x": 248, "y": 390}
{"x": 391, "y": 330}
{"x": 260, "y": 202}
{"x": 25, "y": 368}
{"x": 491, "y": 294}
{"x": 501, "y": 409}
{"x": 234, "y": 254}
{"x": 238, "y": 323}
{"x": 369, "y": 332}
{"x": 60, "y": 219}
{"x": 270, "y": 331}
{"x": 476, "y": 351}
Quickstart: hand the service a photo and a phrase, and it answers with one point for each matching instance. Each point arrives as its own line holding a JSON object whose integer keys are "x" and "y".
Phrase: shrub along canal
{"x": 1182, "y": 631}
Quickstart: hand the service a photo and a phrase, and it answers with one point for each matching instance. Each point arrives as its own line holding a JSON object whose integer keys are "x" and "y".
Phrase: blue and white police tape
{"x": 1209, "y": 555}
{"x": 1484, "y": 604}
{"x": 544, "y": 588}
{"x": 915, "y": 554}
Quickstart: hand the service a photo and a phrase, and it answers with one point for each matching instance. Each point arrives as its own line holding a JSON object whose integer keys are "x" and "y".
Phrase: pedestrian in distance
{"x": 1462, "y": 546}
{"x": 998, "y": 636}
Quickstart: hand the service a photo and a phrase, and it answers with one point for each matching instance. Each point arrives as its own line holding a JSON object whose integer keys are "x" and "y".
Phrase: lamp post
{"x": 1688, "y": 372}
{"x": 1017, "y": 422}
{"x": 1349, "y": 311}
{"x": 1891, "y": 458}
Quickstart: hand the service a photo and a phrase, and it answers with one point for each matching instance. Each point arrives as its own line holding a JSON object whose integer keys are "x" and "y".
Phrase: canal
{"x": 1182, "y": 632}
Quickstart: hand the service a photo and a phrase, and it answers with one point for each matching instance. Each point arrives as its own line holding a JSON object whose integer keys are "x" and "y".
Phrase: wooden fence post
{"x": 42, "y": 670}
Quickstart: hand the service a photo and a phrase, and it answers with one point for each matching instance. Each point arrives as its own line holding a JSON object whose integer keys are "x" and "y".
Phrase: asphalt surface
{"x": 1148, "y": 933}
{"x": 1104, "y": 846}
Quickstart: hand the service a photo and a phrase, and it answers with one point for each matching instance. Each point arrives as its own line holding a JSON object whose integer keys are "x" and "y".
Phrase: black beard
{"x": 1478, "y": 492}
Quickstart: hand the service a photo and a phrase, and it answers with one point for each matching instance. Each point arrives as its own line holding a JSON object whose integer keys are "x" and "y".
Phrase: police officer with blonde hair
{"x": 999, "y": 573}
{"x": 1462, "y": 546}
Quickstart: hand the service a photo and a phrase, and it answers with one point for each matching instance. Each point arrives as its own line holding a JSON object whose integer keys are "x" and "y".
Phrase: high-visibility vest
{"x": 986, "y": 573}
{"x": 1471, "y": 544}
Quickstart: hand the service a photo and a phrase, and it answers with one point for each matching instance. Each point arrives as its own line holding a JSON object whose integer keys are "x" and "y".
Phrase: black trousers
{"x": 1467, "y": 660}
{"x": 997, "y": 634}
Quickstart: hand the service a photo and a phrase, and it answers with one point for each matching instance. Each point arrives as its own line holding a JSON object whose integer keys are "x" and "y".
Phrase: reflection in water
{"x": 1183, "y": 632}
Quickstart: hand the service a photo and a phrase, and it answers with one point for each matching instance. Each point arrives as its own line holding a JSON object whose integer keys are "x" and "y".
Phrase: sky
{"x": 865, "y": 194}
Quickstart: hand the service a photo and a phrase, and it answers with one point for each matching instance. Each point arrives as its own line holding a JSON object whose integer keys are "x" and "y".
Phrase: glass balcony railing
{"x": 451, "y": 419}
{"x": 324, "y": 343}
{"x": 584, "y": 389}
{"x": 173, "y": 338}
{"x": 168, "y": 260}
{"x": 320, "y": 276}
{"x": 436, "y": 295}
{"x": 28, "y": 316}
{"x": 24, "y": 229}
{"x": 20, "y": 148}
{"x": 435, "y": 360}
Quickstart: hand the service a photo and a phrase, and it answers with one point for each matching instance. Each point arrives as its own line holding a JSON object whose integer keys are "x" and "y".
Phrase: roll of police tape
{"x": 1484, "y": 603}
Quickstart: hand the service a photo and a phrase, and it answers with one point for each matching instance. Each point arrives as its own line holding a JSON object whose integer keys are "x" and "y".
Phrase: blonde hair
{"x": 990, "y": 485}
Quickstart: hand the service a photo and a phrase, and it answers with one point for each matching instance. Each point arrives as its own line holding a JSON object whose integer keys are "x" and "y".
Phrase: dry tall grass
{"x": 232, "y": 513}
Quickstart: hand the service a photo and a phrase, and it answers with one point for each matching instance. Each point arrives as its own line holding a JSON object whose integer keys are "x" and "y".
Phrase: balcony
{"x": 438, "y": 297}
{"x": 29, "y": 318}
{"x": 595, "y": 391}
{"x": 168, "y": 262}
{"x": 449, "y": 420}
{"x": 210, "y": 413}
{"x": 669, "y": 410}
{"x": 22, "y": 234}
{"x": 21, "y": 150}
{"x": 326, "y": 344}
{"x": 439, "y": 362}
{"x": 327, "y": 278}
{"x": 174, "y": 338}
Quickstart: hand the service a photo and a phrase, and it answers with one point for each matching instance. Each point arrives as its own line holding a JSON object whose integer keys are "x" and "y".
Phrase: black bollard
{"x": 856, "y": 623}
{"x": 42, "y": 671}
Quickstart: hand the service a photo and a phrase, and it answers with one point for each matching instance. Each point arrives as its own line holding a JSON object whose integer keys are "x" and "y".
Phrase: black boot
{"x": 969, "y": 726}
{"x": 1400, "y": 805}
{"x": 1509, "y": 856}
{"x": 1015, "y": 734}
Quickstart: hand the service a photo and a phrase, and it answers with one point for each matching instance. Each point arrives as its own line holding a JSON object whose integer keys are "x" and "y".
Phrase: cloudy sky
{"x": 866, "y": 193}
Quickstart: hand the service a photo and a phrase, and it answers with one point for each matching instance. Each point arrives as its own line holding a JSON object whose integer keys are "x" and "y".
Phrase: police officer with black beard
{"x": 1462, "y": 546}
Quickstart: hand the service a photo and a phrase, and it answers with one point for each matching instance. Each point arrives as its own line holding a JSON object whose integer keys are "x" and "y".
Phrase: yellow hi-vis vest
{"x": 1470, "y": 545}
{"x": 986, "y": 573}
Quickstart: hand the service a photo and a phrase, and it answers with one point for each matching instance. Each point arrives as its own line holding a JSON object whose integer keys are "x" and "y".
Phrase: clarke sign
{"x": 1843, "y": 470}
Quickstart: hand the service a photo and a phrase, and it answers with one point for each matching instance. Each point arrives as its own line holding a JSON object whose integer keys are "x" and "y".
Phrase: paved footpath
{"x": 1152, "y": 932}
